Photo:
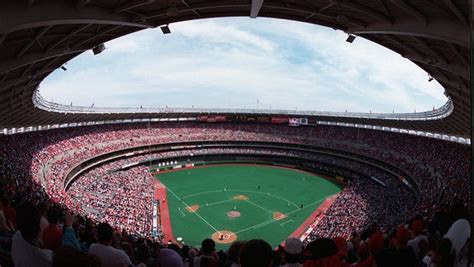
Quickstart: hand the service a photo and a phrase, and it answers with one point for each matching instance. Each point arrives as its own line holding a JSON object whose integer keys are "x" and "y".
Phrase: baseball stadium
{"x": 217, "y": 182}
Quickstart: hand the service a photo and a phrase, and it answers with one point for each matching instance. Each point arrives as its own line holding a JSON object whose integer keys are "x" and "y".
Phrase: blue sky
{"x": 232, "y": 62}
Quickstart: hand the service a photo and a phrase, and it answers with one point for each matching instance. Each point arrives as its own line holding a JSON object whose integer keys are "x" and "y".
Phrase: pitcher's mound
{"x": 192, "y": 208}
{"x": 241, "y": 197}
{"x": 233, "y": 214}
{"x": 278, "y": 216}
{"x": 224, "y": 237}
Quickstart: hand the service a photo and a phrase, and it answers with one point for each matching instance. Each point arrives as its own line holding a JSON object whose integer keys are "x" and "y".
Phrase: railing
{"x": 189, "y": 115}
{"x": 435, "y": 114}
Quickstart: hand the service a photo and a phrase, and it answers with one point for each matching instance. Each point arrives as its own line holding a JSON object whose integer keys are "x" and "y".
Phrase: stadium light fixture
{"x": 98, "y": 49}
{"x": 430, "y": 78}
{"x": 350, "y": 38}
{"x": 255, "y": 8}
{"x": 165, "y": 29}
{"x": 63, "y": 68}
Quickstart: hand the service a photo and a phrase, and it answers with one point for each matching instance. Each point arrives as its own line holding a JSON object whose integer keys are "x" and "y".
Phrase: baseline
{"x": 258, "y": 206}
{"x": 187, "y": 206}
{"x": 264, "y": 223}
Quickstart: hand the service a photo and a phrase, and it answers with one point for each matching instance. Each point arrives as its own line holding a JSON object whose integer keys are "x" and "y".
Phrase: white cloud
{"x": 234, "y": 62}
{"x": 132, "y": 43}
{"x": 216, "y": 33}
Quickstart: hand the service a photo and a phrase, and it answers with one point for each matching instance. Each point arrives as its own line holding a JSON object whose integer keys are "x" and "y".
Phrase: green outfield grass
{"x": 213, "y": 188}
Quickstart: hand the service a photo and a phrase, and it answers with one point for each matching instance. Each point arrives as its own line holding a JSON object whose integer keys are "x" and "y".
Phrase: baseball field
{"x": 229, "y": 202}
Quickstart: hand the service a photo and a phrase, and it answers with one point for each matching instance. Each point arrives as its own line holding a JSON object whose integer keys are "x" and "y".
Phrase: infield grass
{"x": 213, "y": 190}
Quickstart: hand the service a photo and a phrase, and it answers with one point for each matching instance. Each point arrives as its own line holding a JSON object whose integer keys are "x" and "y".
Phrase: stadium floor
{"x": 241, "y": 202}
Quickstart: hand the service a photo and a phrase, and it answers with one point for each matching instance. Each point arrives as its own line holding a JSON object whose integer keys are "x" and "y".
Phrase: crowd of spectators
{"x": 123, "y": 198}
{"x": 64, "y": 239}
{"x": 33, "y": 167}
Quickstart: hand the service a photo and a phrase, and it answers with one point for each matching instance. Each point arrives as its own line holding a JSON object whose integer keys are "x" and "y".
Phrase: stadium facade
{"x": 39, "y": 37}
{"x": 414, "y": 173}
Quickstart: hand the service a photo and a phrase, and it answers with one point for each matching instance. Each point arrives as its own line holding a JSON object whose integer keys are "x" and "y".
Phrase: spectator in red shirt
{"x": 52, "y": 235}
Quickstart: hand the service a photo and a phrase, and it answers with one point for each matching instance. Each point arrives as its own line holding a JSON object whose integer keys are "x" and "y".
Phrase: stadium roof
{"x": 37, "y": 37}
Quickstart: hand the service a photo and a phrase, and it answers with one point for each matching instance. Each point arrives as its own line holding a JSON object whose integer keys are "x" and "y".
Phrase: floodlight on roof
{"x": 98, "y": 49}
{"x": 430, "y": 78}
{"x": 350, "y": 38}
{"x": 63, "y": 68}
{"x": 255, "y": 8}
{"x": 165, "y": 29}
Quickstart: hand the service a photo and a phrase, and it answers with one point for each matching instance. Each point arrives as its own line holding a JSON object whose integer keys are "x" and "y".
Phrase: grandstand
{"x": 404, "y": 178}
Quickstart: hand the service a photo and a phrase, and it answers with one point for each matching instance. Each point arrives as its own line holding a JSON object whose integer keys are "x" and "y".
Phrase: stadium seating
{"x": 33, "y": 167}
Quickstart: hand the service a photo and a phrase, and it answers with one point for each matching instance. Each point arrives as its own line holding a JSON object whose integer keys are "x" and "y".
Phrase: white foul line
{"x": 255, "y": 204}
{"x": 181, "y": 211}
{"x": 274, "y": 220}
{"x": 281, "y": 224}
{"x": 187, "y": 206}
{"x": 218, "y": 202}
